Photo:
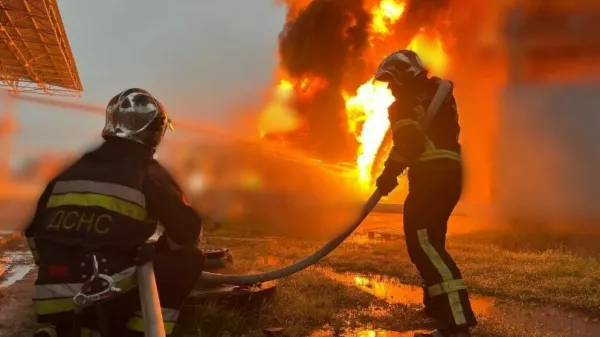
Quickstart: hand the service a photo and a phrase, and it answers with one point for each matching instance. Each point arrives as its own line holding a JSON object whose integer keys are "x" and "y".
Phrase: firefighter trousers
{"x": 431, "y": 199}
{"x": 176, "y": 275}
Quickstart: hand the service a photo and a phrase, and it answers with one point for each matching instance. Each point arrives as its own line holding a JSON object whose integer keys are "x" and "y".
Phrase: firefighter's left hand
{"x": 388, "y": 180}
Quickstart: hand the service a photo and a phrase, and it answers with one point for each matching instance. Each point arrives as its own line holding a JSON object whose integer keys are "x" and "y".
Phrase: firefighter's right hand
{"x": 387, "y": 182}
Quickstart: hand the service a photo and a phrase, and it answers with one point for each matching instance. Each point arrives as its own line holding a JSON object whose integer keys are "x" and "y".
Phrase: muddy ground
{"x": 522, "y": 284}
{"x": 16, "y": 284}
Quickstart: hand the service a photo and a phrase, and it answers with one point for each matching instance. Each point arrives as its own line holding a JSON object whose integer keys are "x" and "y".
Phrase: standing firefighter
{"x": 105, "y": 207}
{"x": 427, "y": 144}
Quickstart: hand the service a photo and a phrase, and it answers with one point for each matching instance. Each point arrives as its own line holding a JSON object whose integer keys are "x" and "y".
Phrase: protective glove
{"x": 388, "y": 179}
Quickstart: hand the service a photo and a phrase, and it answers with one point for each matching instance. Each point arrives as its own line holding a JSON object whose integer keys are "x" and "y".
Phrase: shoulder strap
{"x": 444, "y": 88}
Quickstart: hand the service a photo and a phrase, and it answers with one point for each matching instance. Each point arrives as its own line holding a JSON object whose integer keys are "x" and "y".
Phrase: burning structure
{"x": 323, "y": 131}
{"x": 325, "y": 102}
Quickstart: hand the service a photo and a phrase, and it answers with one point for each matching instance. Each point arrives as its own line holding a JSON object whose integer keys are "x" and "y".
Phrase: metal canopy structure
{"x": 35, "y": 56}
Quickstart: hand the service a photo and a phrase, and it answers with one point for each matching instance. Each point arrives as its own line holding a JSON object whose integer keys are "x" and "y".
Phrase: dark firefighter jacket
{"x": 108, "y": 203}
{"x": 413, "y": 147}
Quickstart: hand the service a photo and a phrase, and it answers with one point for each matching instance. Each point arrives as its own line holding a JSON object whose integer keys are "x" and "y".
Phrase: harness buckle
{"x": 85, "y": 297}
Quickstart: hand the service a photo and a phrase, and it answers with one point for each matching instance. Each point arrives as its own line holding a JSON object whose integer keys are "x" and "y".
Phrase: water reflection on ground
{"x": 392, "y": 291}
{"x": 364, "y": 333}
{"x": 552, "y": 319}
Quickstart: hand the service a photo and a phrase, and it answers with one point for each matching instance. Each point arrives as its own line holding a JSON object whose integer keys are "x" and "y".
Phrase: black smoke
{"x": 327, "y": 39}
{"x": 324, "y": 37}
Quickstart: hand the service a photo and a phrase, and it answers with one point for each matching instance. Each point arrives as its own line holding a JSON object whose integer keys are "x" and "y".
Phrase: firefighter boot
{"x": 425, "y": 312}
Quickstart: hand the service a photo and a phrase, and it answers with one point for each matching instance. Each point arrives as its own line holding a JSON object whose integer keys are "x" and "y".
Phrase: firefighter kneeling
{"x": 102, "y": 210}
{"x": 431, "y": 151}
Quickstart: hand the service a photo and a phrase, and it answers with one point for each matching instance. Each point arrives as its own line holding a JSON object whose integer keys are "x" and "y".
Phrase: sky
{"x": 197, "y": 57}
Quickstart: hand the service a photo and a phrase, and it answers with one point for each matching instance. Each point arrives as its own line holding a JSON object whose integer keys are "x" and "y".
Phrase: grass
{"x": 502, "y": 264}
{"x": 557, "y": 277}
{"x": 524, "y": 267}
{"x": 310, "y": 301}
{"x": 300, "y": 306}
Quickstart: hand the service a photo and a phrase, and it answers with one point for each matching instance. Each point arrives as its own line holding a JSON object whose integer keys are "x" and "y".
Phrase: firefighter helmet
{"x": 136, "y": 115}
{"x": 400, "y": 66}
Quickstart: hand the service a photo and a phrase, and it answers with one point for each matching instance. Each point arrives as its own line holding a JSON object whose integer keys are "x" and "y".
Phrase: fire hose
{"x": 444, "y": 88}
{"x": 300, "y": 265}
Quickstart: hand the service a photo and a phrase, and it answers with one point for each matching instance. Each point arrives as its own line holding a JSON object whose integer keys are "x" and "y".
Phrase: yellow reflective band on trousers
{"x": 442, "y": 268}
{"x": 43, "y": 304}
{"x": 446, "y": 287}
{"x": 135, "y": 323}
{"x": 110, "y": 203}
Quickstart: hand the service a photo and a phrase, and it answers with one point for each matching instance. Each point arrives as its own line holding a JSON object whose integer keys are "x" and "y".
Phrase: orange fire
{"x": 369, "y": 106}
{"x": 385, "y": 14}
{"x": 366, "y": 110}
{"x": 368, "y": 121}
{"x": 279, "y": 116}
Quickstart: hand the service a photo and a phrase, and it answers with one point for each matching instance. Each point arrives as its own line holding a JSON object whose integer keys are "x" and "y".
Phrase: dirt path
{"x": 17, "y": 276}
{"x": 15, "y": 307}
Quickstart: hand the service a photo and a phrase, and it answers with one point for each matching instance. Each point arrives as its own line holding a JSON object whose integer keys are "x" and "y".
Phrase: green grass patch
{"x": 557, "y": 277}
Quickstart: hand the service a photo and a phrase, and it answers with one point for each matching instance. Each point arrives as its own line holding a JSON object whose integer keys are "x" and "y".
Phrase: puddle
{"x": 364, "y": 333}
{"x": 387, "y": 288}
{"x": 547, "y": 318}
{"x": 392, "y": 291}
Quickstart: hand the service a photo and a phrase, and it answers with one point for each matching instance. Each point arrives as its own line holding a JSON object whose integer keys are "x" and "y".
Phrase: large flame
{"x": 369, "y": 108}
{"x": 366, "y": 110}
{"x": 371, "y": 102}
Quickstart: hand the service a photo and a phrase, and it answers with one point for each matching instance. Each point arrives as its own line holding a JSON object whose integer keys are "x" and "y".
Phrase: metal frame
{"x": 35, "y": 56}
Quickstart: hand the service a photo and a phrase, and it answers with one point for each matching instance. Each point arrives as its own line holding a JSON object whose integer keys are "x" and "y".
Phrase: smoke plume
{"x": 332, "y": 42}
{"x": 323, "y": 41}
